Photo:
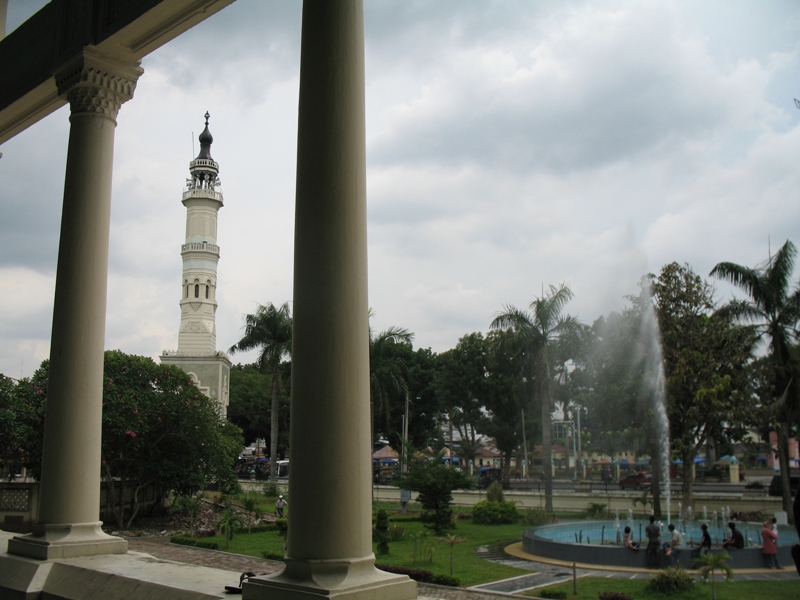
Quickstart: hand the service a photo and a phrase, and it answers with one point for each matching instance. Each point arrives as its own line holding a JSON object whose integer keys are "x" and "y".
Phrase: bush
{"x": 534, "y": 517}
{"x": 495, "y": 513}
{"x": 271, "y": 555}
{"x": 494, "y": 493}
{"x": 270, "y": 489}
{"x": 422, "y": 575}
{"x": 396, "y": 532}
{"x": 614, "y": 596}
{"x": 555, "y": 594}
{"x": 185, "y": 540}
{"x": 447, "y": 580}
{"x": 596, "y": 510}
{"x": 671, "y": 580}
{"x": 754, "y": 485}
{"x": 382, "y": 531}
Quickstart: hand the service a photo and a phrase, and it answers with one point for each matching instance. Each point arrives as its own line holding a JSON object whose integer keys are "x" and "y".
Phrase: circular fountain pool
{"x": 600, "y": 543}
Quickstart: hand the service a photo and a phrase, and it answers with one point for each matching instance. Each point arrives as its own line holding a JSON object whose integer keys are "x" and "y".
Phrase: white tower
{"x": 197, "y": 337}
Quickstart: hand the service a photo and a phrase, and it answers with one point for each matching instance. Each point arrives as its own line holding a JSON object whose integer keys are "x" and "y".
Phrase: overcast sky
{"x": 510, "y": 145}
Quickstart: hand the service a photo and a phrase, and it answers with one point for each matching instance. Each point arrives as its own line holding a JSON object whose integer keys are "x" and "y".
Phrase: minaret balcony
{"x": 204, "y": 162}
{"x": 200, "y": 247}
{"x": 202, "y": 193}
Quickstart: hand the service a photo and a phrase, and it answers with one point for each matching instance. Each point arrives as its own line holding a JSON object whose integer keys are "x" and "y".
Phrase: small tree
{"x": 229, "y": 523}
{"x": 709, "y": 563}
{"x": 494, "y": 493}
{"x": 382, "y": 531}
{"x": 188, "y": 505}
{"x": 250, "y": 503}
{"x": 435, "y": 483}
{"x": 645, "y": 499}
{"x": 451, "y": 540}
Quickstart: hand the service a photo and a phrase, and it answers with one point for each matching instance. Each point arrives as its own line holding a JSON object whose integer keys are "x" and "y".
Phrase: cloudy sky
{"x": 510, "y": 145}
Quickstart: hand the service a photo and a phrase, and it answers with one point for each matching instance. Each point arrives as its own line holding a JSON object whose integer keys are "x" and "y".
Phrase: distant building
{"x": 197, "y": 336}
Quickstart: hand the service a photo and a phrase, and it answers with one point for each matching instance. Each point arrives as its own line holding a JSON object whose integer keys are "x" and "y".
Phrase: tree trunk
{"x": 783, "y": 456}
{"x": 688, "y": 482}
{"x": 547, "y": 451}
{"x": 273, "y": 424}
{"x": 655, "y": 485}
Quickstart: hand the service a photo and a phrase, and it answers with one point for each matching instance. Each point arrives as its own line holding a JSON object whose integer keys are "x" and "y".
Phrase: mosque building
{"x": 197, "y": 336}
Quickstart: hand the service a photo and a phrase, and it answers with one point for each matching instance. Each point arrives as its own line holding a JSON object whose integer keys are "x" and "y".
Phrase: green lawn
{"x": 589, "y": 588}
{"x": 470, "y": 569}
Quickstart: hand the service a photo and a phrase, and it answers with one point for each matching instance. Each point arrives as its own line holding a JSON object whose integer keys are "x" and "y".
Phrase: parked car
{"x": 775, "y": 485}
{"x": 636, "y": 481}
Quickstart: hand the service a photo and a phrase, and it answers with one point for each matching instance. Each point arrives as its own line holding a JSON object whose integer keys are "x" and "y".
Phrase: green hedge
{"x": 495, "y": 513}
{"x": 185, "y": 540}
{"x": 422, "y": 575}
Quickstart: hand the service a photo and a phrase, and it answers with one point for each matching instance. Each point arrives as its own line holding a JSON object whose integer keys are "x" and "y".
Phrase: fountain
{"x": 572, "y": 542}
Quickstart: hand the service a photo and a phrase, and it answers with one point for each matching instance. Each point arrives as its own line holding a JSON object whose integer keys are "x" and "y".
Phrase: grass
{"x": 589, "y": 589}
{"x": 470, "y": 569}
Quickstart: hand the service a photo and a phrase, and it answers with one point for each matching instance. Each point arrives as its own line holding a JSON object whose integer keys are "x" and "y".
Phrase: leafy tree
{"x": 158, "y": 429}
{"x": 17, "y": 418}
{"x": 250, "y": 401}
{"x": 532, "y": 334}
{"x": 462, "y": 387}
{"x": 773, "y": 307}
{"x": 704, "y": 356}
{"x": 269, "y": 330}
{"x": 435, "y": 484}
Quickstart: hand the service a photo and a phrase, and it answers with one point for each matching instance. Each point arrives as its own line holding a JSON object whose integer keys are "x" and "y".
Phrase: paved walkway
{"x": 160, "y": 547}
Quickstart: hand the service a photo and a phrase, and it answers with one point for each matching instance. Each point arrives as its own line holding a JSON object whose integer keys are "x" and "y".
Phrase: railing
{"x": 204, "y": 162}
{"x": 202, "y": 193}
{"x": 200, "y": 246}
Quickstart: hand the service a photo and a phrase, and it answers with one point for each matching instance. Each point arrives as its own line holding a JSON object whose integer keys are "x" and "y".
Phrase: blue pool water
{"x": 600, "y": 532}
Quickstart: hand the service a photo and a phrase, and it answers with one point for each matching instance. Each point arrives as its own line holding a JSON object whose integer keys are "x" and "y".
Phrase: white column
{"x": 68, "y": 523}
{"x": 330, "y": 507}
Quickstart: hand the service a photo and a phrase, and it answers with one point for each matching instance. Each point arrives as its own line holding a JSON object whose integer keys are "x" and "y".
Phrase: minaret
{"x": 200, "y": 253}
{"x": 197, "y": 337}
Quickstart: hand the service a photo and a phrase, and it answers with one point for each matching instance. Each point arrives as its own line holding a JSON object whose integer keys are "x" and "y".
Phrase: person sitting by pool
{"x": 627, "y": 540}
{"x": 705, "y": 543}
{"x": 736, "y": 541}
{"x": 674, "y": 545}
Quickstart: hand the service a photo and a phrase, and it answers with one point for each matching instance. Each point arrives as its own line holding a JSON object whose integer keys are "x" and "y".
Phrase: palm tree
{"x": 251, "y": 503}
{"x": 532, "y": 332}
{"x": 709, "y": 563}
{"x": 388, "y": 374}
{"x": 269, "y": 329}
{"x": 451, "y": 540}
{"x": 229, "y": 522}
{"x": 774, "y": 309}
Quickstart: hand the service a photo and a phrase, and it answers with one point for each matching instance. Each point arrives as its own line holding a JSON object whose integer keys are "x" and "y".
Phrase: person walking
{"x": 280, "y": 504}
{"x": 769, "y": 548}
{"x": 653, "y": 533}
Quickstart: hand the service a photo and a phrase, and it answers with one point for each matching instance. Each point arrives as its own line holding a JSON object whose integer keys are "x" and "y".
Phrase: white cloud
{"x": 511, "y": 145}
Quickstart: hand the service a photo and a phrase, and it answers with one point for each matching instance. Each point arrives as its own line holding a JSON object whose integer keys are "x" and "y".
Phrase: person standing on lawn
{"x": 280, "y": 504}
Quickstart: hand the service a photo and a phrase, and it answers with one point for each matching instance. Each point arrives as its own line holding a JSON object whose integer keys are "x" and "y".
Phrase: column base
{"x": 68, "y": 540}
{"x": 356, "y": 579}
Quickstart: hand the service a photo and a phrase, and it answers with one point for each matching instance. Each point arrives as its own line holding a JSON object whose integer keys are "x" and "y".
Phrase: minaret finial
{"x": 205, "y": 141}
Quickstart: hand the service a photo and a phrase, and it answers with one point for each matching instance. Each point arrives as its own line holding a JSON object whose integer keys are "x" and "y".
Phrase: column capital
{"x": 96, "y": 83}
